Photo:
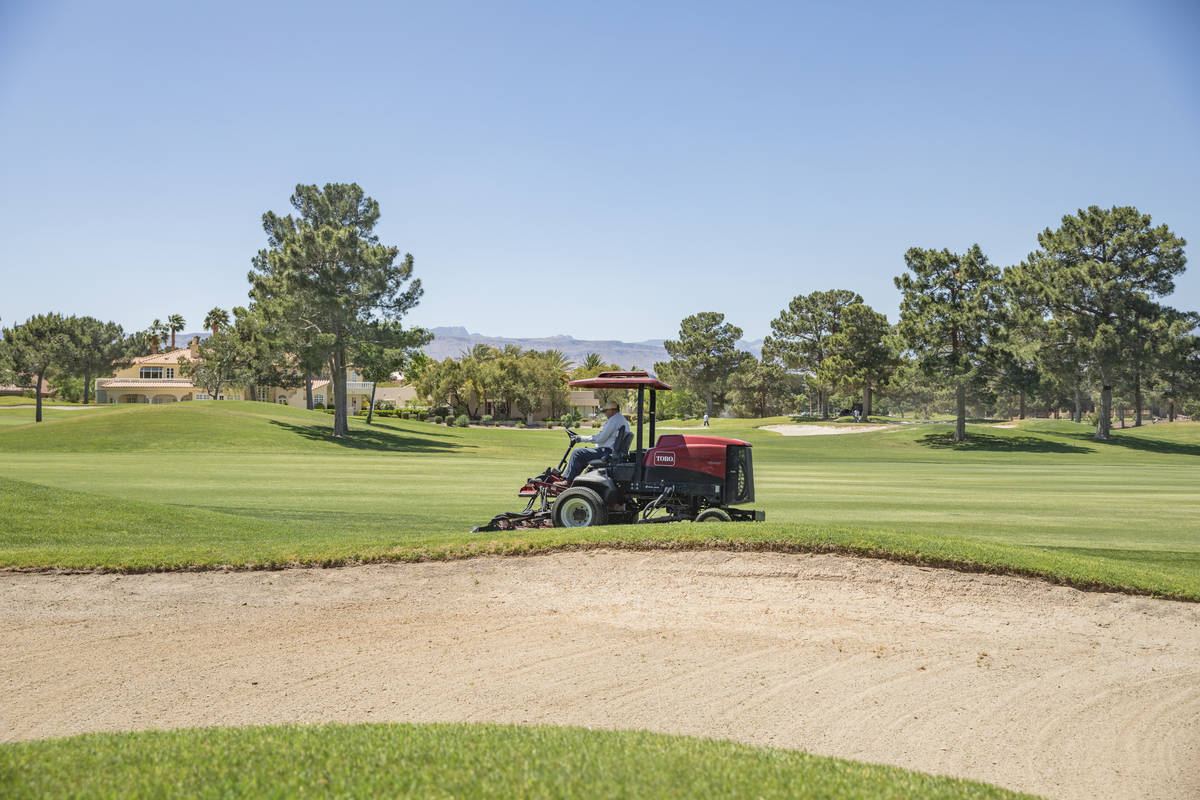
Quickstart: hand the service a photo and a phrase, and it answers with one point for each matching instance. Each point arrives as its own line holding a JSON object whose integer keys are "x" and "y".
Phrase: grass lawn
{"x": 463, "y": 761}
{"x": 233, "y": 483}
{"x": 17, "y": 400}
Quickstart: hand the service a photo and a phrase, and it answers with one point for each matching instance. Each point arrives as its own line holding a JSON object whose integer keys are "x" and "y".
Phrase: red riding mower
{"x": 680, "y": 477}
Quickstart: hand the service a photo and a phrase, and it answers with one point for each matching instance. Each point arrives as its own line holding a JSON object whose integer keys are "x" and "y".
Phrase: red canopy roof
{"x": 621, "y": 380}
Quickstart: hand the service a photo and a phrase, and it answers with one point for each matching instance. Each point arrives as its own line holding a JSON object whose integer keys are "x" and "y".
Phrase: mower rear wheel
{"x": 579, "y": 507}
{"x": 714, "y": 515}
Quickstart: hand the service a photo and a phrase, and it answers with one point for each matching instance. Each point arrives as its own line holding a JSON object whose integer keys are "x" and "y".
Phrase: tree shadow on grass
{"x": 373, "y": 438}
{"x": 1140, "y": 443}
{"x": 1175, "y": 560}
{"x": 986, "y": 442}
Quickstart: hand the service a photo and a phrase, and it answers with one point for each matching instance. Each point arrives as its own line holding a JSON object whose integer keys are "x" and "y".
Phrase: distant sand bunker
{"x": 822, "y": 430}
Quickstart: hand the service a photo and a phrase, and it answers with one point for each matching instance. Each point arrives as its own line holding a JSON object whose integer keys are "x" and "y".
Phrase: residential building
{"x": 156, "y": 378}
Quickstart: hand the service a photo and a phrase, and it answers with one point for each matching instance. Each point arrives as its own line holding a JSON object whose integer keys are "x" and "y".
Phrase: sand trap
{"x": 822, "y": 430}
{"x": 1030, "y": 686}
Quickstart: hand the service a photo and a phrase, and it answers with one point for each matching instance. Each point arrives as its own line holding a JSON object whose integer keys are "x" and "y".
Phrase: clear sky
{"x": 594, "y": 169}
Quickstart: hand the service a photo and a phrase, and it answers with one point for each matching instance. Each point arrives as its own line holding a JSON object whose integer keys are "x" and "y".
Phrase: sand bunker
{"x": 1034, "y": 687}
{"x": 822, "y": 430}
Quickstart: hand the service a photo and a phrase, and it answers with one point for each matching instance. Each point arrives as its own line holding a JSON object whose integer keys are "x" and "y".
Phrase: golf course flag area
{"x": 1030, "y": 600}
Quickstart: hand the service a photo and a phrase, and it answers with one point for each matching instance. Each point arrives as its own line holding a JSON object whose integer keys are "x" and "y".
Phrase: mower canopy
{"x": 639, "y": 380}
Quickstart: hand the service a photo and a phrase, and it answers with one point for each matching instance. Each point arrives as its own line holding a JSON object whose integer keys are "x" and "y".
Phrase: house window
{"x": 202, "y": 396}
{"x": 282, "y": 400}
{"x": 169, "y": 372}
{"x": 151, "y": 372}
{"x": 262, "y": 394}
{"x": 318, "y": 399}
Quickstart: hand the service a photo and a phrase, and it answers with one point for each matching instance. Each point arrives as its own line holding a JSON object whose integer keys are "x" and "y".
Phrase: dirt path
{"x": 1011, "y": 681}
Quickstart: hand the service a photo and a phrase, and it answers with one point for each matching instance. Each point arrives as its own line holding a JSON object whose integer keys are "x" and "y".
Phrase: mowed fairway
{"x": 978, "y": 677}
{"x": 207, "y": 484}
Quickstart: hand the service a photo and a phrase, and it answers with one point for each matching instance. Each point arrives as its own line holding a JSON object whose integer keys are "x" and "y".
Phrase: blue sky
{"x": 594, "y": 169}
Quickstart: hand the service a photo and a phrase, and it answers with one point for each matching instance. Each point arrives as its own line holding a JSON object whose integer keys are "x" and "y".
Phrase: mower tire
{"x": 579, "y": 507}
{"x": 714, "y": 515}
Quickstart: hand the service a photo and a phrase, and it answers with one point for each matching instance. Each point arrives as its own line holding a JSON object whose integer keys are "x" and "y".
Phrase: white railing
{"x": 133, "y": 382}
{"x": 359, "y": 387}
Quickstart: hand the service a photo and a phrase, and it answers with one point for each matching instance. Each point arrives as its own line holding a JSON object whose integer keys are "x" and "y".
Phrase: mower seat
{"x": 618, "y": 454}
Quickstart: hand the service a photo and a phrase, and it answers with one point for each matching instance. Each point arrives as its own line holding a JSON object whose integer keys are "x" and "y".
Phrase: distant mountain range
{"x": 452, "y": 342}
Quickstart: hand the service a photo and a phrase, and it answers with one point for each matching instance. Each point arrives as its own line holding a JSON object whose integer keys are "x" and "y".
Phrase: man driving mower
{"x": 605, "y": 440}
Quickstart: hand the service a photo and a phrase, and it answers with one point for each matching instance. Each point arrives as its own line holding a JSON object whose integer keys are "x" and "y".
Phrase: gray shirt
{"x": 607, "y": 437}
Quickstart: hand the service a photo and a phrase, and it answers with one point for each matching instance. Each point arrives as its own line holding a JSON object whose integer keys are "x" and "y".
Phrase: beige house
{"x": 156, "y": 379}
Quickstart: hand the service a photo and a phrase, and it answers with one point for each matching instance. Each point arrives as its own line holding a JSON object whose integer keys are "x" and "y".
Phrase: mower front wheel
{"x": 713, "y": 515}
{"x": 579, "y": 507}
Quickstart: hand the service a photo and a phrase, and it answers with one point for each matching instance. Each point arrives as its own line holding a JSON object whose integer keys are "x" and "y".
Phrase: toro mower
{"x": 675, "y": 478}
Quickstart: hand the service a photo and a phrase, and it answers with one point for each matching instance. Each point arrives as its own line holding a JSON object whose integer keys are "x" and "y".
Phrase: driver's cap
{"x": 611, "y": 404}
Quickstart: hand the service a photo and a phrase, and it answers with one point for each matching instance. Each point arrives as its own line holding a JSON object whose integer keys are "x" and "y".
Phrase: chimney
{"x": 194, "y": 345}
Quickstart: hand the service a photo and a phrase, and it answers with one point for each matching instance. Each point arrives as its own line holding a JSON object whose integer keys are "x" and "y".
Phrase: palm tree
{"x": 157, "y": 332}
{"x": 216, "y": 319}
{"x": 591, "y": 361}
{"x": 175, "y": 324}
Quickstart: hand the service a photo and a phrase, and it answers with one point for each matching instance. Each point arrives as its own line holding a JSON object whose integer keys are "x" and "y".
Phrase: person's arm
{"x": 607, "y": 436}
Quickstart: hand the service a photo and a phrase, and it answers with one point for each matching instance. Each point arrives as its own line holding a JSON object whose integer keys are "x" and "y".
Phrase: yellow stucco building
{"x": 156, "y": 378}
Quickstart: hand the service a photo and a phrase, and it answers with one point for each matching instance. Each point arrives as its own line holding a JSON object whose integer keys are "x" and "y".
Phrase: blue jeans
{"x": 580, "y": 458}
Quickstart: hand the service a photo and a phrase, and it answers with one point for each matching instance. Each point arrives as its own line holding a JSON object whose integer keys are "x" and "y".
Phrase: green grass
{"x": 17, "y": 400}
{"x": 429, "y": 761}
{"x": 252, "y": 484}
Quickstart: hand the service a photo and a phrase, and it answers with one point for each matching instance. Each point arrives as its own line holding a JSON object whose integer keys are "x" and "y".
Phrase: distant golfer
{"x": 605, "y": 440}
{"x": 706, "y": 419}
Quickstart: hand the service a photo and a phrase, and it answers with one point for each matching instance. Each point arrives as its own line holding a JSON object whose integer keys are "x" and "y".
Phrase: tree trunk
{"x": 37, "y": 393}
{"x": 371, "y": 409}
{"x": 1170, "y": 411}
{"x": 87, "y": 384}
{"x": 340, "y": 426}
{"x": 1103, "y": 422}
{"x": 308, "y": 403}
{"x": 1077, "y": 412}
{"x": 1137, "y": 397}
{"x": 960, "y": 403}
{"x": 866, "y": 402}
{"x": 1022, "y": 404}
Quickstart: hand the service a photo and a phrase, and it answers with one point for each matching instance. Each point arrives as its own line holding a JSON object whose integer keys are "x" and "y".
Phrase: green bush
{"x": 520, "y": 423}
{"x": 385, "y": 405}
{"x": 462, "y": 421}
{"x": 595, "y": 423}
{"x": 486, "y": 420}
{"x": 318, "y": 406}
{"x": 438, "y": 419}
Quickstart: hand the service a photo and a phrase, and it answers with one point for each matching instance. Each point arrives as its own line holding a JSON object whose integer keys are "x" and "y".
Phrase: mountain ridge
{"x": 453, "y": 341}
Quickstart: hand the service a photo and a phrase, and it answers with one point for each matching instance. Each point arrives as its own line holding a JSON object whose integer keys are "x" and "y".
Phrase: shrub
{"x": 595, "y": 423}
{"x": 520, "y": 423}
{"x": 318, "y": 406}
{"x": 385, "y": 405}
{"x": 462, "y": 421}
{"x": 486, "y": 419}
{"x": 438, "y": 419}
